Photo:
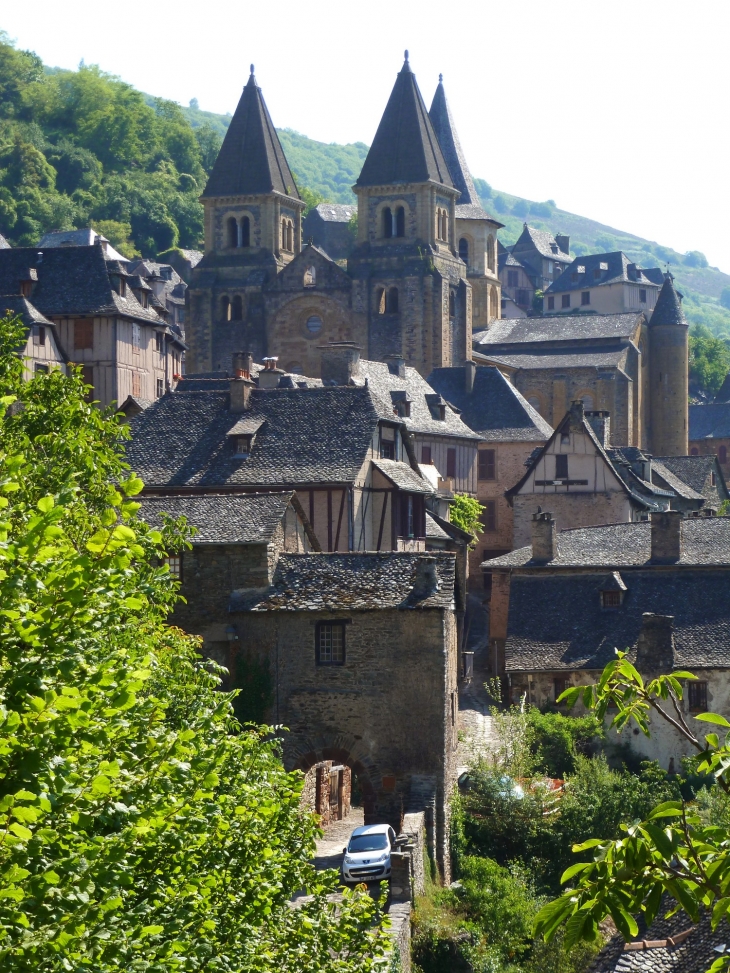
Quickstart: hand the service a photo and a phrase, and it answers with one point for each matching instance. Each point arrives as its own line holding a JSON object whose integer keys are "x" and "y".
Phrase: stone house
{"x": 423, "y": 264}
{"x": 709, "y": 429}
{"x": 585, "y": 481}
{"x": 517, "y": 285}
{"x": 510, "y": 431}
{"x": 328, "y": 227}
{"x": 659, "y": 589}
{"x": 607, "y": 283}
{"x": 343, "y": 449}
{"x": 42, "y": 351}
{"x": 168, "y": 288}
{"x": 543, "y": 256}
{"x": 623, "y": 364}
{"x": 356, "y": 654}
{"x": 103, "y": 318}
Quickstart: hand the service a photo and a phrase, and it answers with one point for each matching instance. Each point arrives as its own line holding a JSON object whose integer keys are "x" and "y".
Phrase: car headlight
{"x": 384, "y": 857}
{"x": 348, "y": 860}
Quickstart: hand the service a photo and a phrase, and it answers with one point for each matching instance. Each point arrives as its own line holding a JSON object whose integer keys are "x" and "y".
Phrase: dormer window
{"x": 243, "y": 436}
{"x": 611, "y": 599}
{"x": 437, "y": 406}
{"x": 243, "y": 445}
{"x": 401, "y": 404}
{"x": 612, "y": 591}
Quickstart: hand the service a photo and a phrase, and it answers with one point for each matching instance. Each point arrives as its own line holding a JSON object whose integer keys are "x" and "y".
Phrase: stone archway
{"x": 340, "y": 751}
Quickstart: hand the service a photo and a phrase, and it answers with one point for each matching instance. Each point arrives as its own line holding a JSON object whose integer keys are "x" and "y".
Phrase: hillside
{"x": 331, "y": 169}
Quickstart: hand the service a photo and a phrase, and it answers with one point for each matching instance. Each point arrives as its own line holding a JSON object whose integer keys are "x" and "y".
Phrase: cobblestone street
{"x": 476, "y": 725}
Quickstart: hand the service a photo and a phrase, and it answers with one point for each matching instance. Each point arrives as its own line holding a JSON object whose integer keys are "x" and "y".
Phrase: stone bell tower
{"x": 253, "y": 228}
{"x": 668, "y": 374}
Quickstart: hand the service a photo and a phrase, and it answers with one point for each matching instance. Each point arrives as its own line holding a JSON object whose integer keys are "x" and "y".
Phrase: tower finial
{"x": 405, "y": 54}
{"x": 252, "y": 69}
{"x": 441, "y": 79}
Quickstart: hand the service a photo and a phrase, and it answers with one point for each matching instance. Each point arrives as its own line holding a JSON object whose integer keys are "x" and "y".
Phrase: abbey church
{"x": 422, "y": 274}
{"x": 422, "y": 280}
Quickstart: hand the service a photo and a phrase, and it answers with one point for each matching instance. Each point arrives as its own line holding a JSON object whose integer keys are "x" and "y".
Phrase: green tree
{"x": 672, "y": 850}
{"x": 142, "y": 827}
{"x": 466, "y": 513}
{"x": 709, "y": 359}
{"x": 725, "y": 297}
{"x": 695, "y": 259}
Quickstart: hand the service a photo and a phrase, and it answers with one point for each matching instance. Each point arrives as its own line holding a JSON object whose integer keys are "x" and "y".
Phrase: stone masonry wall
{"x": 570, "y": 510}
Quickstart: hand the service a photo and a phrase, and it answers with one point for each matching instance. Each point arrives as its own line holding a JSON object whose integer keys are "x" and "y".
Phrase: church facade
{"x": 422, "y": 274}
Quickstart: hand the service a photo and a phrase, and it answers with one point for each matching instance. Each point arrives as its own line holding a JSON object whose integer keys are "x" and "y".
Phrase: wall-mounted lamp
{"x": 231, "y": 634}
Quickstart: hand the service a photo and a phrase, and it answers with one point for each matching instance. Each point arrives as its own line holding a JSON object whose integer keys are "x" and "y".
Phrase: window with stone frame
{"x": 329, "y": 642}
{"x": 174, "y": 565}
{"x": 697, "y": 695}
{"x": 560, "y": 684}
{"x": 487, "y": 464}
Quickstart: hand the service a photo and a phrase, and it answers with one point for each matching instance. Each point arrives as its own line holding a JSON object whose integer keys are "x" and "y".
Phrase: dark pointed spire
{"x": 668, "y": 307}
{"x": 443, "y": 125}
{"x": 251, "y": 160}
{"x": 405, "y": 147}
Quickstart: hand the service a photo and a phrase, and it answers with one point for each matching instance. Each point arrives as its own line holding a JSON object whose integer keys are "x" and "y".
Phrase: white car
{"x": 367, "y": 856}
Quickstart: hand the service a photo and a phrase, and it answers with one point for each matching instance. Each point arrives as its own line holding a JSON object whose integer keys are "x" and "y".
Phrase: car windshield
{"x": 368, "y": 842}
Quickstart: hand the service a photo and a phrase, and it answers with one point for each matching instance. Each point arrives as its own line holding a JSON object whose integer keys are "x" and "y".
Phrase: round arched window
{"x": 314, "y": 324}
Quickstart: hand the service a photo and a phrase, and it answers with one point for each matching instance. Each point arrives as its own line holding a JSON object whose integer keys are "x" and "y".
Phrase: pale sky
{"x": 616, "y": 109}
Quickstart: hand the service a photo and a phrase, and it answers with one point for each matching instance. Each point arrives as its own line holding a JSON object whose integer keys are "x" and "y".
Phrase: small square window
{"x": 487, "y": 464}
{"x": 585, "y": 297}
{"x": 174, "y": 564}
{"x": 561, "y": 466}
{"x": 611, "y": 599}
{"x": 566, "y": 300}
{"x": 551, "y": 303}
{"x": 387, "y": 449}
{"x": 697, "y": 696}
{"x": 40, "y": 369}
{"x": 330, "y": 643}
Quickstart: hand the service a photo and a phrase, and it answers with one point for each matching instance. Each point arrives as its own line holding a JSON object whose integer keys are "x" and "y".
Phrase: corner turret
{"x": 668, "y": 374}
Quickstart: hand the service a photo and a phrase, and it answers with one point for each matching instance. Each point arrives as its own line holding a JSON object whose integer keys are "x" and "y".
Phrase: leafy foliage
{"x": 142, "y": 827}
{"x": 709, "y": 359}
{"x": 678, "y": 848}
{"x": 466, "y": 513}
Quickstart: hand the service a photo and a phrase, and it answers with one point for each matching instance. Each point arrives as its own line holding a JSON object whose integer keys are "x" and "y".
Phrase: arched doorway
{"x": 362, "y": 778}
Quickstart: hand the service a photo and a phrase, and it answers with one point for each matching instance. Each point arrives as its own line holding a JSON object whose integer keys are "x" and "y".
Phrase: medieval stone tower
{"x": 668, "y": 379}
{"x": 407, "y": 275}
{"x": 476, "y": 231}
{"x": 253, "y": 217}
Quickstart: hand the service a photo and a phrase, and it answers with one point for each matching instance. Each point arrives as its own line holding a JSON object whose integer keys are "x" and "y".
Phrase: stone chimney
{"x": 576, "y": 413}
{"x": 666, "y": 536}
{"x": 242, "y": 361}
{"x": 470, "y": 372}
{"x": 427, "y": 580}
{"x": 655, "y": 645}
{"x": 544, "y": 538}
{"x": 241, "y": 389}
{"x": 340, "y": 362}
{"x": 269, "y": 377}
{"x": 563, "y": 242}
{"x": 600, "y": 423}
{"x": 396, "y": 365}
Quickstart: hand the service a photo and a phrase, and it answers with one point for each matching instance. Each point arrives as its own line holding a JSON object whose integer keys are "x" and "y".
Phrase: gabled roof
{"x": 251, "y": 161}
{"x": 506, "y": 333}
{"x": 710, "y": 421}
{"x": 353, "y": 582}
{"x": 541, "y": 240}
{"x": 696, "y": 472}
{"x": 30, "y": 315}
{"x": 385, "y": 383}
{"x": 71, "y": 281}
{"x": 405, "y": 148}
{"x": 310, "y": 435}
{"x": 402, "y": 476}
{"x": 468, "y": 205}
{"x": 85, "y": 237}
{"x": 494, "y": 408}
{"x": 226, "y": 518}
{"x": 596, "y": 269}
{"x": 668, "y": 307}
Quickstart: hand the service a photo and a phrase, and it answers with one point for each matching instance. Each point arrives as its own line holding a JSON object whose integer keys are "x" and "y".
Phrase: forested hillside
{"x": 80, "y": 148}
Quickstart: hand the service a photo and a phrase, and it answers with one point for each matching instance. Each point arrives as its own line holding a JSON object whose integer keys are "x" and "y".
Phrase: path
{"x": 334, "y": 839}
{"x": 476, "y": 725}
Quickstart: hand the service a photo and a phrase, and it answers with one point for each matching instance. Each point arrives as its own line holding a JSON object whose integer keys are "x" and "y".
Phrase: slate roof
{"x": 4, "y": 245}
{"x": 468, "y": 205}
{"x": 403, "y": 476}
{"x": 351, "y": 582}
{"x": 433, "y": 531}
{"x": 696, "y": 472}
{"x": 668, "y": 307}
{"x": 694, "y": 953}
{"x": 557, "y": 327}
{"x": 507, "y": 259}
{"x": 312, "y": 435}
{"x": 705, "y": 541}
{"x": 570, "y": 359}
{"x": 616, "y": 270}
{"x": 494, "y": 409}
{"x": 710, "y": 421}
{"x": 382, "y": 381}
{"x": 17, "y": 304}
{"x": 71, "y": 281}
{"x": 682, "y": 489}
{"x": 251, "y": 160}
{"x": 249, "y": 518}
{"x": 335, "y": 212}
{"x": 405, "y": 148}
{"x": 86, "y": 237}
{"x": 542, "y": 241}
